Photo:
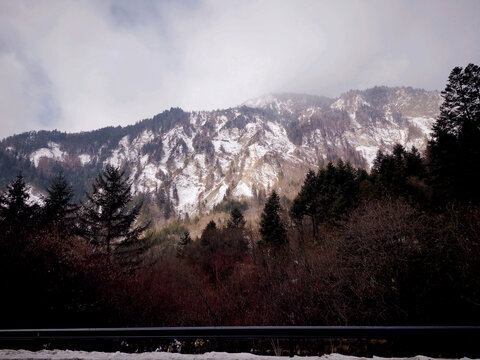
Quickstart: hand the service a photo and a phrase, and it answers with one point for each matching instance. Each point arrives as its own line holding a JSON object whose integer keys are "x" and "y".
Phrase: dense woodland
{"x": 398, "y": 245}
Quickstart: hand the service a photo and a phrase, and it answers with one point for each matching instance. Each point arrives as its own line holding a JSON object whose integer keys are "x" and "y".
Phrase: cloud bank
{"x": 81, "y": 65}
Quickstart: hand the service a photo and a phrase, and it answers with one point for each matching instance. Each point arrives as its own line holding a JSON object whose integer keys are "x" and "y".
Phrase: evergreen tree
{"x": 185, "y": 240}
{"x": 378, "y": 161}
{"x": 392, "y": 174}
{"x": 305, "y": 203}
{"x": 414, "y": 165}
{"x": 59, "y": 210}
{"x": 327, "y": 195}
{"x": 207, "y": 232}
{"x": 346, "y": 187}
{"x": 18, "y": 220}
{"x": 15, "y": 213}
{"x": 210, "y": 226}
{"x": 106, "y": 217}
{"x": 271, "y": 226}
{"x": 455, "y": 146}
{"x": 236, "y": 221}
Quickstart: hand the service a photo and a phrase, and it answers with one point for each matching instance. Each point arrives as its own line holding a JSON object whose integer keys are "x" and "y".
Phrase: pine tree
{"x": 15, "y": 212}
{"x": 106, "y": 217}
{"x": 305, "y": 203}
{"x": 393, "y": 174}
{"x": 185, "y": 240}
{"x": 271, "y": 226}
{"x": 207, "y": 232}
{"x": 59, "y": 210}
{"x": 455, "y": 146}
{"x": 18, "y": 219}
{"x": 236, "y": 221}
{"x": 327, "y": 195}
{"x": 414, "y": 165}
{"x": 460, "y": 110}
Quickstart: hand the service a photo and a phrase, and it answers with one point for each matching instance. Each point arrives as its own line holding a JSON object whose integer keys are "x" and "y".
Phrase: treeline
{"x": 399, "y": 245}
{"x": 55, "y": 256}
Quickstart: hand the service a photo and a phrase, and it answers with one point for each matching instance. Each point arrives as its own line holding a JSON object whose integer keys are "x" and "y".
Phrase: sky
{"x": 81, "y": 65}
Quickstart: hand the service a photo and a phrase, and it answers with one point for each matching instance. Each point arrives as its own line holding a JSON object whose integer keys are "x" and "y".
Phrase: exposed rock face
{"x": 193, "y": 160}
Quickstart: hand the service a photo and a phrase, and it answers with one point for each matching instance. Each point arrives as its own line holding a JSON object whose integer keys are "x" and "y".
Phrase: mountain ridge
{"x": 191, "y": 161}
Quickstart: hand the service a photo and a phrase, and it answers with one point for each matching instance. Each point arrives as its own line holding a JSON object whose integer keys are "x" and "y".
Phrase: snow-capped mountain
{"x": 194, "y": 160}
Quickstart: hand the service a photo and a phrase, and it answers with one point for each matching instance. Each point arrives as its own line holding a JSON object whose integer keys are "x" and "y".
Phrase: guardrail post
{"x": 291, "y": 346}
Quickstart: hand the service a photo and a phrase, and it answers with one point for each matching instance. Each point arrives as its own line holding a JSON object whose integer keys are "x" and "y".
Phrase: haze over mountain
{"x": 80, "y": 65}
{"x": 193, "y": 160}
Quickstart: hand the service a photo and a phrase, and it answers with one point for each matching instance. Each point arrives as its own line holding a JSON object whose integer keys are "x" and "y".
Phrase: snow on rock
{"x": 219, "y": 195}
{"x": 255, "y": 147}
{"x": 52, "y": 152}
{"x": 241, "y": 153}
{"x": 170, "y": 140}
{"x": 338, "y": 105}
{"x": 129, "y": 151}
{"x": 147, "y": 181}
{"x": 278, "y": 136}
{"x": 188, "y": 193}
{"x": 227, "y": 140}
{"x": 424, "y": 124}
{"x": 84, "y": 159}
{"x": 349, "y": 103}
{"x": 84, "y": 355}
{"x": 144, "y": 160}
{"x": 118, "y": 155}
{"x": 190, "y": 186}
{"x": 35, "y": 197}
{"x": 243, "y": 190}
{"x": 143, "y": 139}
{"x": 221, "y": 121}
{"x": 369, "y": 153}
{"x": 227, "y": 146}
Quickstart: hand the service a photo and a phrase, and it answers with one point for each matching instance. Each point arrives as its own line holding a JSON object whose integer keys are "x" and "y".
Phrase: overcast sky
{"x": 80, "y": 65}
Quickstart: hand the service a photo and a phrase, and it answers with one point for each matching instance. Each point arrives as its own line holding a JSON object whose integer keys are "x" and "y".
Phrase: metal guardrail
{"x": 246, "y": 332}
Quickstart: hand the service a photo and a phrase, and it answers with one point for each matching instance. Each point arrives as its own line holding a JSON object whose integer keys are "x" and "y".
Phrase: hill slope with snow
{"x": 193, "y": 160}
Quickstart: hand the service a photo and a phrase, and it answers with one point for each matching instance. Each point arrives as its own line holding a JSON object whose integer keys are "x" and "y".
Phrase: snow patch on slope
{"x": 35, "y": 197}
{"x": 369, "y": 153}
{"x": 338, "y": 105}
{"x": 147, "y": 181}
{"x": 243, "y": 190}
{"x": 52, "y": 152}
{"x": 424, "y": 124}
{"x": 129, "y": 151}
{"x": 227, "y": 140}
{"x": 350, "y": 104}
{"x": 189, "y": 191}
{"x": 221, "y": 192}
{"x": 84, "y": 159}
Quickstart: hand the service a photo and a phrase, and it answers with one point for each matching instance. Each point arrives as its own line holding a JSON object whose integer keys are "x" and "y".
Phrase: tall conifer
{"x": 455, "y": 146}
{"x": 59, "y": 209}
{"x": 15, "y": 211}
{"x": 271, "y": 226}
{"x": 236, "y": 221}
{"x": 106, "y": 216}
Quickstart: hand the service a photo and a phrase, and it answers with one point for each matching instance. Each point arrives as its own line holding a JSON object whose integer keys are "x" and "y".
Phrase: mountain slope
{"x": 192, "y": 161}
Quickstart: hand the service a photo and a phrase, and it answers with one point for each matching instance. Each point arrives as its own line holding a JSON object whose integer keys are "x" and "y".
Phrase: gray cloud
{"x": 80, "y": 65}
